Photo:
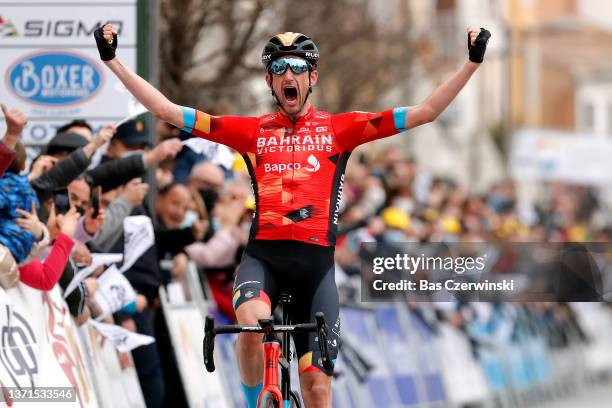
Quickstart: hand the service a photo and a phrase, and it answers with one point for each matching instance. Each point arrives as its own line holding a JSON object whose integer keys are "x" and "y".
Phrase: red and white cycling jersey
{"x": 297, "y": 169}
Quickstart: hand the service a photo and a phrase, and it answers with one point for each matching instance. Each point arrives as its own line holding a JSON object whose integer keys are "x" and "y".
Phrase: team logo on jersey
{"x": 300, "y": 214}
{"x": 314, "y": 164}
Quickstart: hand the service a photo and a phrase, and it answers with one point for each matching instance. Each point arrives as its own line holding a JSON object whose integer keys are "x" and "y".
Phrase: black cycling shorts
{"x": 306, "y": 272}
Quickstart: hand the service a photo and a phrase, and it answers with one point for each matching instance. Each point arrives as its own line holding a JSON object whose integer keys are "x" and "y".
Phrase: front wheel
{"x": 268, "y": 400}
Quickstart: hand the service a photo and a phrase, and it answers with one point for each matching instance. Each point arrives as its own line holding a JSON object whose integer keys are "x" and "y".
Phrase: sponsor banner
{"x": 463, "y": 376}
{"x": 51, "y": 70}
{"x": 377, "y": 389}
{"x": 55, "y": 85}
{"x": 553, "y": 155}
{"x": 58, "y": 24}
{"x": 186, "y": 328}
{"x": 40, "y": 345}
{"x": 117, "y": 384}
{"x": 38, "y": 132}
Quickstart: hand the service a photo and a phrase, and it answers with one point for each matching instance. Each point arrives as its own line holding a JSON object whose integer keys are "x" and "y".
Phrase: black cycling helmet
{"x": 289, "y": 43}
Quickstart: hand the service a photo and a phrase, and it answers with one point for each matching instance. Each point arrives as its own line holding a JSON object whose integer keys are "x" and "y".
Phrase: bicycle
{"x": 275, "y": 352}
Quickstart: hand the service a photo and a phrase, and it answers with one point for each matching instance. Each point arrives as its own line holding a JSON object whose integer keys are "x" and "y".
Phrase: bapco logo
{"x": 314, "y": 164}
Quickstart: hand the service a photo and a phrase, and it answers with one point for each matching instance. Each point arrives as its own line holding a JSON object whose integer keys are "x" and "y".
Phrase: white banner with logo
{"x": 51, "y": 67}
{"x": 186, "y": 327}
{"x": 138, "y": 238}
{"x": 543, "y": 155}
{"x": 116, "y": 382}
{"x": 114, "y": 292}
{"x": 42, "y": 347}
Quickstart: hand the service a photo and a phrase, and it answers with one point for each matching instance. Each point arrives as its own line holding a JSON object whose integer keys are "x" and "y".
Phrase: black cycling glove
{"x": 106, "y": 50}
{"x": 477, "y": 51}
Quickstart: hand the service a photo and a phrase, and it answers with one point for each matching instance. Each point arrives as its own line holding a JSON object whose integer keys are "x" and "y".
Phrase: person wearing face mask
{"x": 207, "y": 178}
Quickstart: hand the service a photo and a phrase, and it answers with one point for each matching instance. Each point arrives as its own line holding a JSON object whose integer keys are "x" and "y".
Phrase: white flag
{"x": 96, "y": 260}
{"x": 134, "y": 109}
{"x": 213, "y": 152}
{"x": 124, "y": 340}
{"x": 114, "y": 292}
{"x": 138, "y": 237}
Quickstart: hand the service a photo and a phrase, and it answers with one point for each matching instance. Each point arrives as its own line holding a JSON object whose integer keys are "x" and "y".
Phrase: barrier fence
{"x": 391, "y": 356}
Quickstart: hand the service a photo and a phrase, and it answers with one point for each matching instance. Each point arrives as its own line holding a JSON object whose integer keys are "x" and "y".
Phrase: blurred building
{"x": 562, "y": 65}
{"x": 561, "y": 92}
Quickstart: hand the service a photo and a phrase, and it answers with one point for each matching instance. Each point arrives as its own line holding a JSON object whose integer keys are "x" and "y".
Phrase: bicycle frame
{"x": 272, "y": 349}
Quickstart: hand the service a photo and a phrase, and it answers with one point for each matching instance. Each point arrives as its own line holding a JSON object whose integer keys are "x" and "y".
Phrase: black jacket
{"x": 109, "y": 175}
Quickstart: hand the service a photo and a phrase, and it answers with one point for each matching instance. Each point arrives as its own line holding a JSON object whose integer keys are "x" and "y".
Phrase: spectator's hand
{"x": 230, "y": 213}
{"x": 163, "y": 177}
{"x": 52, "y": 226}
{"x": 84, "y": 316}
{"x": 180, "y": 266}
{"x": 92, "y": 225}
{"x": 92, "y": 285}
{"x": 129, "y": 324}
{"x": 101, "y": 138}
{"x": 354, "y": 214}
{"x": 199, "y": 228}
{"x": 135, "y": 192}
{"x": 81, "y": 254}
{"x": 15, "y": 122}
{"x": 141, "y": 302}
{"x": 41, "y": 166}
{"x": 104, "y": 135}
{"x": 165, "y": 150}
{"x": 124, "y": 360}
{"x": 68, "y": 222}
{"x": 30, "y": 222}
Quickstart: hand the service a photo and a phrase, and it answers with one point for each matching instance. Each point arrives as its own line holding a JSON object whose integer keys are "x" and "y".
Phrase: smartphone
{"x": 61, "y": 198}
{"x": 95, "y": 200}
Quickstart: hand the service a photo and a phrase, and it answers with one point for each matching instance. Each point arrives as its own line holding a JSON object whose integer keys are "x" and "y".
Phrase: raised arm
{"x": 435, "y": 104}
{"x": 151, "y": 98}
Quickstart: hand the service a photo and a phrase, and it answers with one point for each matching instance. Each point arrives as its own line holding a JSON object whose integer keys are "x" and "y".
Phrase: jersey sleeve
{"x": 355, "y": 128}
{"x": 236, "y": 132}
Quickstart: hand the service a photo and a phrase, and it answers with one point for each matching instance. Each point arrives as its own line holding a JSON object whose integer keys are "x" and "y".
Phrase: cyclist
{"x": 296, "y": 157}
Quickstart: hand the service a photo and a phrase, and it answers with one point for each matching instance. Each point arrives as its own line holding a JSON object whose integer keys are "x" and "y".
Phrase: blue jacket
{"x": 15, "y": 192}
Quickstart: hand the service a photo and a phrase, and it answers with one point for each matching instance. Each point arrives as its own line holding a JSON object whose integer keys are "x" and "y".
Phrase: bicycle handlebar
{"x": 210, "y": 331}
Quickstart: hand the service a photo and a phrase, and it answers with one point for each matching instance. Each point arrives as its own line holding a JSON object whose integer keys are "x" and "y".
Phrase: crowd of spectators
{"x": 72, "y": 199}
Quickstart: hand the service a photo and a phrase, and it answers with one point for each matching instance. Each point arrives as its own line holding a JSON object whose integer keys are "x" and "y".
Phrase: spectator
{"x": 15, "y": 121}
{"x": 207, "y": 179}
{"x": 79, "y": 126}
{"x": 16, "y": 193}
{"x": 45, "y": 275}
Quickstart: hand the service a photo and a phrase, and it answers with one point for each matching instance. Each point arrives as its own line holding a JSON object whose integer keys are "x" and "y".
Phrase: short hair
{"x": 19, "y": 160}
{"x": 77, "y": 123}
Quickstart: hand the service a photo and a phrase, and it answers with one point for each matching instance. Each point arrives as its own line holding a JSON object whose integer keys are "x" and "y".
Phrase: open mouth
{"x": 290, "y": 92}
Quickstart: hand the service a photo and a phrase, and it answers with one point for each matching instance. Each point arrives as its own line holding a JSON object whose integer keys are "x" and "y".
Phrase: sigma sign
{"x": 54, "y": 78}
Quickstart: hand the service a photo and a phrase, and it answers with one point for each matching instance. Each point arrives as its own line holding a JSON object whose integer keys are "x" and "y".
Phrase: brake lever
{"x": 209, "y": 344}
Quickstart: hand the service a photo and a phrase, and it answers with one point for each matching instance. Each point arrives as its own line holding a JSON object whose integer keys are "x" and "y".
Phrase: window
{"x": 609, "y": 119}
{"x": 586, "y": 119}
